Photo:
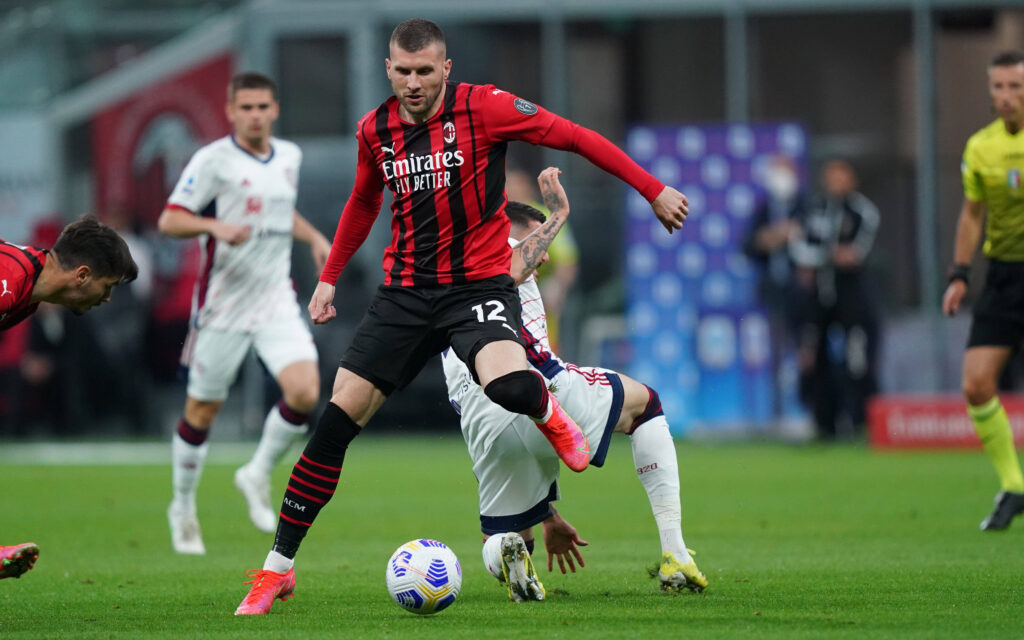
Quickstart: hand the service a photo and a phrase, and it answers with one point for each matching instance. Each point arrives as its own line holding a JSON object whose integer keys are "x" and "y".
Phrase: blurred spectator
{"x": 767, "y": 244}
{"x": 836, "y": 318}
{"x": 558, "y": 275}
{"x": 119, "y": 328}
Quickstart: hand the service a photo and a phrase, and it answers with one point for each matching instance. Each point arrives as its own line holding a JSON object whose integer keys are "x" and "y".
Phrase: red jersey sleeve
{"x": 357, "y": 218}
{"x": 507, "y": 117}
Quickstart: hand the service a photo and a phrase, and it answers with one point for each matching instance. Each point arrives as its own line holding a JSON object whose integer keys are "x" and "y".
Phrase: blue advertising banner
{"x": 698, "y": 332}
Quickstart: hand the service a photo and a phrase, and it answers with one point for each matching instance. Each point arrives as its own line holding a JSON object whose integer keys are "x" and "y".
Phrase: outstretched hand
{"x": 671, "y": 207}
{"x": 562, "y": 542}
{"x": 321, "y": 309}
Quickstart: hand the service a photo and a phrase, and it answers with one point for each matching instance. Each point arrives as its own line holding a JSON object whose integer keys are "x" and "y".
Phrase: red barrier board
{"x": 932, "y": 421}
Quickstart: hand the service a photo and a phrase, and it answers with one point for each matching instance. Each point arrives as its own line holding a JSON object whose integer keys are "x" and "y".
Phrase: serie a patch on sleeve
{"x": 525, "y": 107}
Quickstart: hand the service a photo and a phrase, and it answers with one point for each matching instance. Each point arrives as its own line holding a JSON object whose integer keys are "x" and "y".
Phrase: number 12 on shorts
{"x": 494, "y": 313}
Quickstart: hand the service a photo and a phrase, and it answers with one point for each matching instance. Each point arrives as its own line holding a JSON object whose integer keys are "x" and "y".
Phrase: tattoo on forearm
{"x": 534, "y": 245}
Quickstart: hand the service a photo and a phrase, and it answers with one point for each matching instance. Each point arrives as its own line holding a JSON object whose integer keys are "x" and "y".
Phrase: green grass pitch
{"x": 798, "y": 542}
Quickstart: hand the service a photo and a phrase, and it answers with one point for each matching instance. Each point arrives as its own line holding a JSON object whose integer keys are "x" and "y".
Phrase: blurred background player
{"x": 80, "y": 272}
{"x": 767, "y": 244}
{"x": 993, "y": 161}
{"x": 238, "y": 195}
{"x": 836, "y": 319}
{"x": 557, "y": 276}
{"x": 440, "y": 148}
{"x": 517, "y": 472}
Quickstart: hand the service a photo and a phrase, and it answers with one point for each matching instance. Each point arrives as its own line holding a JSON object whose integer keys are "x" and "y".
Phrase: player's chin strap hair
{"x": 652, "y": 409}
{"x": 520, "y": 392}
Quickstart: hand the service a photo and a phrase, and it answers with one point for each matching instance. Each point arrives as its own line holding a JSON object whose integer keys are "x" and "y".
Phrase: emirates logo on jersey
{"x": 449, "y": 132}
{"x": 417, "y": 172}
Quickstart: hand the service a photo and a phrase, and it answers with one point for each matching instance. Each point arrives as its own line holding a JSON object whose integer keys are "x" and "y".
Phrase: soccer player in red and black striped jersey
{"x": 79, "y": 273}
{"x": 439, "y": 147}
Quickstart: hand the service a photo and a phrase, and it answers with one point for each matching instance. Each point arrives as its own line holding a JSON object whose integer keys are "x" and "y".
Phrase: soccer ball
{"x": 423, "y": 576}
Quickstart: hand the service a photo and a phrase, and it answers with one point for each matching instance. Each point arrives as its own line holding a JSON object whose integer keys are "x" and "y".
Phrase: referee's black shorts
{"x": 406, "y": 326}
{"x": 999, "y": 313}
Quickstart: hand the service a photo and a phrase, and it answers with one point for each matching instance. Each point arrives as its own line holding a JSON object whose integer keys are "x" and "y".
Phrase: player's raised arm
{"x": 529, "y": 254}
{"x": 512, "y": 118}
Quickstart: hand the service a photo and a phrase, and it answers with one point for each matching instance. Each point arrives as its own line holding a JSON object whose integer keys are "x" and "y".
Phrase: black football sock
{"x": 314, "y": 478}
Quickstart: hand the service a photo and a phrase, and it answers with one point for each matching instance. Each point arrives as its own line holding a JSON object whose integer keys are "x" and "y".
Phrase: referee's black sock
{"x": 314, "y": 478}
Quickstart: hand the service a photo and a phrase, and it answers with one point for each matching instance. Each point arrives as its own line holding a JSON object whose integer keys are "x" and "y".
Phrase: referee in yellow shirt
{"x": 992, "y": 166}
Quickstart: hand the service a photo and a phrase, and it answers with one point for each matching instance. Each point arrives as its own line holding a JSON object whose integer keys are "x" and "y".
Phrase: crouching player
{"x": 516, "y": 468}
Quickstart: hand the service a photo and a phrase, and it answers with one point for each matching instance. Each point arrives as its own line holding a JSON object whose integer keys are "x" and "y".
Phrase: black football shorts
{"x": 999, "y": 313}
{"x": 406, "y": 326}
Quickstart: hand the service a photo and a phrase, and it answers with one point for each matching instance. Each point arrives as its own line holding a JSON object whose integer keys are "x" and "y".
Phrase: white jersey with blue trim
{"x": 241, "y": 286}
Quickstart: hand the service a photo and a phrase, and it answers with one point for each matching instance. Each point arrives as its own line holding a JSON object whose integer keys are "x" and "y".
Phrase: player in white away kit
{"x": 518, "y": 472}
{"x": 237, "y": 194}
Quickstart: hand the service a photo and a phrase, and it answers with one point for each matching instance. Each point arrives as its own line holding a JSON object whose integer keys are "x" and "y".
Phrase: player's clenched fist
{"x": 320, "y": 308}
{"x": 671, "y": 207}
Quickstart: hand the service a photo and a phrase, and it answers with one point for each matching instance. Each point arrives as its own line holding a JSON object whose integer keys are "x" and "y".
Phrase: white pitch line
{"x": 113, "y": 453}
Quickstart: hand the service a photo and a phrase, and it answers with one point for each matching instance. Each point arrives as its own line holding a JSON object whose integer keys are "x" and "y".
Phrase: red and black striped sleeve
{"x": 360, "y": 211}
{"x": 508, "y": 117}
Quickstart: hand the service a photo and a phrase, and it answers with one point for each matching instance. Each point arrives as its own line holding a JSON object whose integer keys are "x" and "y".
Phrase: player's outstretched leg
{"x": 281, "y": 429}
{"x": 525, "y": 392}
{"x": 1008, "y": 505}
{"x": 17, "y": 559}
{"x": 680, "y": 573}
{"x": 517, "y": 568}
{"x": 654, "y": 456}
{"x": 267, "y": 586}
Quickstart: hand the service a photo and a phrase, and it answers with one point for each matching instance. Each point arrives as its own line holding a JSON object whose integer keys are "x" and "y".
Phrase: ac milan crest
{"x": 449, "y": 132}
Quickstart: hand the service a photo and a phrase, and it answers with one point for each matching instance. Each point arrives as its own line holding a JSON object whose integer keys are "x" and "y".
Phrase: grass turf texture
{"x": 805, "y": 542}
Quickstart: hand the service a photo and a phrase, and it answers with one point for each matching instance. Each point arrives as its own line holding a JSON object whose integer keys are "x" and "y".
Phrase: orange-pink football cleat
{"x": 266, "y": 587}
{"x": 566, "y": 437}
{"x": 17, "y": 559}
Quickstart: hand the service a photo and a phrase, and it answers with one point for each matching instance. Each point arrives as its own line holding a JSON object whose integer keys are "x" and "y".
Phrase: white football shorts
{"x": 518, "y": 471}
{"x": 214, "y": 356}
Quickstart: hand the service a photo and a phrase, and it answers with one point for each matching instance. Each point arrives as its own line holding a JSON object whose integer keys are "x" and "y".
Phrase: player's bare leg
{"x": 283, "y": 426}
{"x": 505, "y": 378}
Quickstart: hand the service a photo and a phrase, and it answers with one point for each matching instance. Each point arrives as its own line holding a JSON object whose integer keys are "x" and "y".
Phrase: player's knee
{"x": 521, "y": 392}
{"x": 201, "y": 414}
{"x": 302, "y": 400}
{"x": 977, "y": 391}
{"x": 651, "y": 409}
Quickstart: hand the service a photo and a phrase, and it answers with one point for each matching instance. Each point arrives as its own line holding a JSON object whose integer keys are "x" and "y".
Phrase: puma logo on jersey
{"x": 6, "y": 290}
{"x": 387, "y": 149}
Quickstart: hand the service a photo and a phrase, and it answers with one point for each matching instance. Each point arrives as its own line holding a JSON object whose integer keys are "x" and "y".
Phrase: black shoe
{"x": 1008, "y": 504}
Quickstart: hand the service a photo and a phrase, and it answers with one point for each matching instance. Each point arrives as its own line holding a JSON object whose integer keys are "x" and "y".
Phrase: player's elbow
{"x": 164, "y": 223}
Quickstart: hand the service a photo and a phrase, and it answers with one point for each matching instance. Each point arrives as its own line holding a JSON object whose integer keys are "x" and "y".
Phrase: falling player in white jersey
{"x": 237, "y": 194}
{"x": 518, "y": 472}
